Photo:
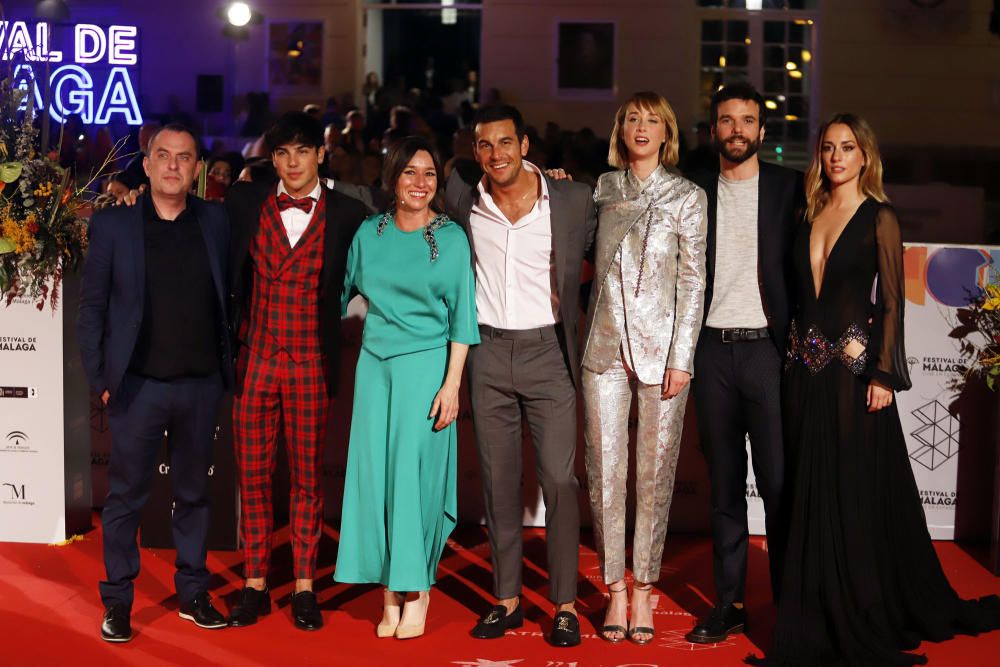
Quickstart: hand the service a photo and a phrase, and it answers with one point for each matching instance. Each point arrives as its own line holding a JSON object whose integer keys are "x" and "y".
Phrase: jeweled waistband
{"x": 815, "y": 350}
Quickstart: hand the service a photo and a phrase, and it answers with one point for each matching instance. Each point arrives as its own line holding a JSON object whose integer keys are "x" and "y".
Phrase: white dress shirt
{"x": 515, "y": 263}
{"x": 295, "y": 220}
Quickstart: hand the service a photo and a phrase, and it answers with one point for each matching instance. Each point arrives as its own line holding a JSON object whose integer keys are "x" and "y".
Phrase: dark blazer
{"x": 113, "y": 292}
{"x": 574, "y": 223}
{"x": 343, "y": 216}
{"x": 780, "y": 204}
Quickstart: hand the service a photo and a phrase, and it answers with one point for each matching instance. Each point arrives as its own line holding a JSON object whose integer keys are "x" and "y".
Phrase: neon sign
{"x": 95, "y": 82}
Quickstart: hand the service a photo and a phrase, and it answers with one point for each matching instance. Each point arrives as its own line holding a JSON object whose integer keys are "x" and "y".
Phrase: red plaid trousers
{"x": 284, "y": 383}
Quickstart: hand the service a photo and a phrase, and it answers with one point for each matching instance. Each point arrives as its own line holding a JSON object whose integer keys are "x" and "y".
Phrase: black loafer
{"x": 116, "y": 626}
{"x": 305, "y": 611}
{"x": 497, "y": 622}
{"x": 201, "y": 612}
{"x": 565, "y": 630}
{"x": 725, "y": 620}
{"x": 251, "y": 605}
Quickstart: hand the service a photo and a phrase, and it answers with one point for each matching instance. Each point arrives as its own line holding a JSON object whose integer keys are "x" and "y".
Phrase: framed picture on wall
{"x": 585, "y": 60}
{"x": 295, "y": 54}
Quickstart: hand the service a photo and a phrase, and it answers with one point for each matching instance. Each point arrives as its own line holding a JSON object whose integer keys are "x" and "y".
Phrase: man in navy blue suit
{"x": 155, "y": 347}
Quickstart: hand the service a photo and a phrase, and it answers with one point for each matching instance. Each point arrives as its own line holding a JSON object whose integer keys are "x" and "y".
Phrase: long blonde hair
{"x": 870, "y": 179}
{"x": 654, "y": 103}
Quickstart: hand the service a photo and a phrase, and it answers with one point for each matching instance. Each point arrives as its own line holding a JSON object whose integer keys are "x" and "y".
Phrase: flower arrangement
{"x": 978, "y": 332}
{"x": 42, "y": 231}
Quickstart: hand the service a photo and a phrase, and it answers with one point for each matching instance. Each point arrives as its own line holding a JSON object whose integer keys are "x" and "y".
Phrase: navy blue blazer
{"x": 113, "y": 292}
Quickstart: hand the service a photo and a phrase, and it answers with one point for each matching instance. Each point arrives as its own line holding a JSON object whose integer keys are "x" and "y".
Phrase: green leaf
{"x": 990, "y": 381}
{"x": 6, "y": 245}
{"x": 10, "y": 171}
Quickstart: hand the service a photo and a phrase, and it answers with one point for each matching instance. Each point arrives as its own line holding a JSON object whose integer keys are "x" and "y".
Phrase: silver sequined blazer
{"x": 649, "y": 284}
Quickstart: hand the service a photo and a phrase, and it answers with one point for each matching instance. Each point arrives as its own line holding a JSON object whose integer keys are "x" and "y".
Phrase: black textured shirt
{"x": 179, "y": 335}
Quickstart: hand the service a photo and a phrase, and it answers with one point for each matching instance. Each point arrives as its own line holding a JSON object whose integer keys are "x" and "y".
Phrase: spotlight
{"x": 239, "y": 14}
{"x": 238, "y": 17}
{"x": 52, "y": 10}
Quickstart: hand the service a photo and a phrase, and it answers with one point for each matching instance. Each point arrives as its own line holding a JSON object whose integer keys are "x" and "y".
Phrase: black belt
{"x": 738, "y": 335}
{"x": 541, "y": 333}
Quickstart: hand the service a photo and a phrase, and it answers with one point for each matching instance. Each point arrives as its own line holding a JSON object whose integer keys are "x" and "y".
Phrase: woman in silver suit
{"x": 644, "y": 318}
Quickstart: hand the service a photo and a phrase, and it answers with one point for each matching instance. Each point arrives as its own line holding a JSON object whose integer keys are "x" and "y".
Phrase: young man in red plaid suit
{"x": 289, "y": 248}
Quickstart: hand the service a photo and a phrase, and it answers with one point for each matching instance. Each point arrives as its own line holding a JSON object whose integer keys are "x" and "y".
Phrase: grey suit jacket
{"x": 649, "y": 284}
{"x": 574, "y": 223}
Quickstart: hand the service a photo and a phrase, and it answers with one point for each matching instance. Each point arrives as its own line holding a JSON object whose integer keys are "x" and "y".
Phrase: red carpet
{"x": 51, "y": 612}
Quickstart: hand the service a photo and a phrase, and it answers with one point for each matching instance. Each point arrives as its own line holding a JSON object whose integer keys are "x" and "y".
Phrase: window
{"x": 773, "y": 49}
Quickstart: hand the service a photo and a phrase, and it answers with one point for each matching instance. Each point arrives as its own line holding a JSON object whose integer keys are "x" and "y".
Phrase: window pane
{"x": 710, "y": 54}
{"x": 711, "y": 31}
{"x": 795, "y": 85}
{"x": 798, "y": 131}
{"x": 774, "y": 32}
{"x": 774, "y": 56}
{"x": 796, "y": 33}
{"x": 774, "y": 81}
{"x": 736, "y": 56}
{"x": 737, "y": 31}
{"x": 797, "y": 106}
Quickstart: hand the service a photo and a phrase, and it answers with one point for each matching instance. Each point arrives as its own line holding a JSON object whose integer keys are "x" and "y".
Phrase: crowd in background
{"x": 358, "y": 137}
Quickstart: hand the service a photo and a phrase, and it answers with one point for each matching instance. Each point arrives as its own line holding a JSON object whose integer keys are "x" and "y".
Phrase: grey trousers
{"x": 607, "y": 400}
{"x": 511, "y": 371}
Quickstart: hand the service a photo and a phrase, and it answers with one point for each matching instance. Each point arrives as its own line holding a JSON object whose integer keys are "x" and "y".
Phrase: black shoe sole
{"x": 189, "y": 617}
{"x": 715, "y": 639}
{"x": 307, "y": 628}
{"x": 116, "y": 640}
{"x": 512, "y": 626}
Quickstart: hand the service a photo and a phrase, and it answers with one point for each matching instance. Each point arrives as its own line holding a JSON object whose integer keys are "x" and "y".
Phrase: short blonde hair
{"x": 654, "y": 103}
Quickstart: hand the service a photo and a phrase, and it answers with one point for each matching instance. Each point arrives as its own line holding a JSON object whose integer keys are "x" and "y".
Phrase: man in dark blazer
{"x": 528, "y": 235}
{"x": 753, "y": 209}
{"x": 154, "y": 343}
{"x": 289, "y": 250}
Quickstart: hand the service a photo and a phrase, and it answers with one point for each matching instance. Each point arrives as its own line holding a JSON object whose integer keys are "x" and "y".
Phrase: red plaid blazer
{"x": 286, "y": 288}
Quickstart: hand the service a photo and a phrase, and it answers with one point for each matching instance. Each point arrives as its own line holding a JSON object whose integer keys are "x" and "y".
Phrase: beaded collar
{"x": 436, "y": 223}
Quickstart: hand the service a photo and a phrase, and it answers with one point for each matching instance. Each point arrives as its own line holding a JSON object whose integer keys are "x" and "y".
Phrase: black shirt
{"x": 179, "y": 336}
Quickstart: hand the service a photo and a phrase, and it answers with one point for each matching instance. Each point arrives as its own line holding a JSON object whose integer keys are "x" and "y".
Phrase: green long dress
{"x": 399, "y": 492}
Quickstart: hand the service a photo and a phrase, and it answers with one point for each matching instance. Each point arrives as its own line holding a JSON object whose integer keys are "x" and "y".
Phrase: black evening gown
{"x": 862, "y": 583}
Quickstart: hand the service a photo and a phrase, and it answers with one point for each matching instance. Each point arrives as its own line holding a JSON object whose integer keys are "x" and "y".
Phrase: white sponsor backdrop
{"x": 32, "y": 489}
{"x": 939, "y": 280}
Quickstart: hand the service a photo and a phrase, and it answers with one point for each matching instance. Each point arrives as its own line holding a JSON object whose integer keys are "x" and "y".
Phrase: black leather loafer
{"x": 565, "y": 630}
{"x": 201, "y": 612}
{"x": 497, "y": 622}
{"x": 725, "y": 620}
{"x": 116, "y": 626}
{"x": 251, "y": 605}
{"x": 305, "y": 611}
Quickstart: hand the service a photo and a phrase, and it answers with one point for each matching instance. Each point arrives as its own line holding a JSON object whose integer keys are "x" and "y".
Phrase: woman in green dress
{"x": 413, "y": 266}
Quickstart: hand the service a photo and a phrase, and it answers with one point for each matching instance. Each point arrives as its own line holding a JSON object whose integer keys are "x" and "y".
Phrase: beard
{"x": 734, "y": 155}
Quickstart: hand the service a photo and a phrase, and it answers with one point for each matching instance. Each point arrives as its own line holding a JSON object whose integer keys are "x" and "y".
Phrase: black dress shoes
{"x": 305, "y": 611}
{"x": 565, "y": 630}
{"x": 725, "y": 620}
{"x": 495, "y": 623}
{"x": 251, "y": 605}
{"x": 201, "y": 612}
{"x": 116, "y": 626}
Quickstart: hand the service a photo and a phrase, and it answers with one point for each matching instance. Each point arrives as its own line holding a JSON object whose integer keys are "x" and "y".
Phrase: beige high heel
{"x": 386, "y": 629}
{"x": 413, "y": 629}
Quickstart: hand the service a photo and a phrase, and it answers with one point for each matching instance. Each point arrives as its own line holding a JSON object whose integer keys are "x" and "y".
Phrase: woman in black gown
{"x": 862, "y": 583}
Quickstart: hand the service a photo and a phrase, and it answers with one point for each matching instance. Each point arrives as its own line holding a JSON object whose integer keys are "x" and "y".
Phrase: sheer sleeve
{"x": 887, "y": 358}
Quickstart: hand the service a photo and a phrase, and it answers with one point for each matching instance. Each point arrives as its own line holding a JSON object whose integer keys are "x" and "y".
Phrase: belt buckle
{"x": 497, "y": 333}
{"x": 725, "y": 335}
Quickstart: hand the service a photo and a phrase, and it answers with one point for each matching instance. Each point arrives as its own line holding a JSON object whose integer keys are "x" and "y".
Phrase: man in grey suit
{"x": 529, "y": 235}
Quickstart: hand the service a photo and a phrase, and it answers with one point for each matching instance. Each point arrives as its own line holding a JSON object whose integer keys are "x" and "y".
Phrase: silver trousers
{"x": 607, "y": 401}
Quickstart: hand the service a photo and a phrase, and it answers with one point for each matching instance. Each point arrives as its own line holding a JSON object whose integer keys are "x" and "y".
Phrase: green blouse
{"x": 414, "y": 304}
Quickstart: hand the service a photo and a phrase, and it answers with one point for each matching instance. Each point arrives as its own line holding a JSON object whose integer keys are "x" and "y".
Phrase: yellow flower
{"x": 44, "y": 189}
{"x": 993, "y": 297}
